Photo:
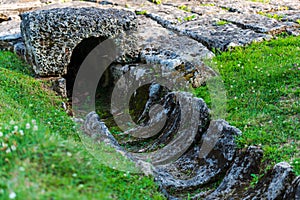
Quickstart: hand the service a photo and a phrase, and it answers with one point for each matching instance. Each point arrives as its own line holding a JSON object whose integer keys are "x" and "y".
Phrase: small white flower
{"x": 74, "y": 175}
{"x": 8, "y": 150}
{"x": 21, "y": 132}
{"x": 13, "y": 148}
{"x": 69, "y": 154}
{"x": 12, "y": 122}
{"x": 12, "y": 195}
{"x": 35, "y": 128}
{"x": 27, "y": 126}
{"x": 1, "y": 134}
{"x": 4, "y": 144}
{"x": 16, "y": 128}
{"x": 33, "y": 121}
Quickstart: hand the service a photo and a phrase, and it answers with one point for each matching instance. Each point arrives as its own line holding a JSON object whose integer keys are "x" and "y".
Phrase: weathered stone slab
{"x": 11, "y": 27}
{"x": 220, "y": 36}
{"x": 293, "y": 192}
{"x": 177, "y": 176}
{"x": 171, "y": 14}
{"x": 51, "y": 35}
{"x": 160, "y": 38}
{"x": 290, "y": 4}
{"x": 207, "y": 9}
{"x": 255, "y": 22}
{"x": 274, "y": 184}
{"x": 239, "y": 175}
{"x": 287, "y": 15}
{"x": 14, "y": 9}
{"x": 241, "y": 6}
{"x": 204, "y": 29}
{"x": 10, "y": 31}
{"x": 10, "y": 37}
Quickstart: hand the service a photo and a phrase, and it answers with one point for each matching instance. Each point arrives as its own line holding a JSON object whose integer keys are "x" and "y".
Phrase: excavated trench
{"x": 223, "y": 173}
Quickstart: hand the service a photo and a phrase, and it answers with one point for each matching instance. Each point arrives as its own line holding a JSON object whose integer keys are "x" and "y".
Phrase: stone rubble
{"x": 175, "y": 38}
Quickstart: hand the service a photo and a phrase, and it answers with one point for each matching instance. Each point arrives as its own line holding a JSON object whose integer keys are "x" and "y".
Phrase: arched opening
{"x": 79, "y": 53}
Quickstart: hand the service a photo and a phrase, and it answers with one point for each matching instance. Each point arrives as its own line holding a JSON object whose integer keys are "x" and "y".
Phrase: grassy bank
{"x": 263, "y": 92}
{"x": 41, "y": 156}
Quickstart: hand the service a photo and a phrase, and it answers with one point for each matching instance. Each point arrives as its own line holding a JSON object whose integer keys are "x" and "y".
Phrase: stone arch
{"x": 79, "y": 53}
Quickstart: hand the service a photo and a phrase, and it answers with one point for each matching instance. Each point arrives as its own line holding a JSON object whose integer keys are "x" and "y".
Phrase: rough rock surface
{"x": 52, "y": 35}
{"x": 10, "y": 33}
{"x": 201, "y": 176}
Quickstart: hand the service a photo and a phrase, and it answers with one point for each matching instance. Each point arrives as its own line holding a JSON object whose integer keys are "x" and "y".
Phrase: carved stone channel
{"x": 174, "y": 136}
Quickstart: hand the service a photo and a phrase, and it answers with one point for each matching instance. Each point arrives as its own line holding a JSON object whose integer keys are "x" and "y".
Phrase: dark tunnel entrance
{"x": 78, "y": 55}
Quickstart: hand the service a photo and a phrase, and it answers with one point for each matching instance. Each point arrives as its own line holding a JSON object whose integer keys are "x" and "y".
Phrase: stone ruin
{"x": 55, "y": 39}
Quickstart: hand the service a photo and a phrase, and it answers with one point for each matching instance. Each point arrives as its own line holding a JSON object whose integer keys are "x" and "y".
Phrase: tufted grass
{"x": 263, "y": 91}
{"x": 41, "y": 156}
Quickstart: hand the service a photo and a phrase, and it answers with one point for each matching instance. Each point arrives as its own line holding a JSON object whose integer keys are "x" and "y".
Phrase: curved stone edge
{"x": 51, "y": 35}
{"x": 279, "y": 182}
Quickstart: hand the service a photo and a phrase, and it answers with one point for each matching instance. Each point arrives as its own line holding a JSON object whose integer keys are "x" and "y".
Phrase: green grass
{"x": 189, "y": 18}
{"x": 142, "y": 12}
{"x": 157, "y": 2}
{"x": 221, "y": 23}
{"x": 207, "y": 4}
{"x": 261, "y": 1}
{"x": 185, "y": 8}
{"x": 263, "y": 90}
{"x": 272, "y": 16}
{"x": 41, "y": 155}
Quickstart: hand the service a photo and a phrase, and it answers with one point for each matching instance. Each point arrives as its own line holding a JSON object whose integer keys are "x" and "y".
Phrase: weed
{"x": 255, "y": 179}
{"x": 261, "y": 1}
{"x": 189, "y": 18}
{"x": 185, "y": 8}
{"x": 157, "y": 2}
{"x": 142, "y": 12}
{"x": 272, "y": 16}
{"x": 221, "y": 23}
{"x": 206, "y": 4}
